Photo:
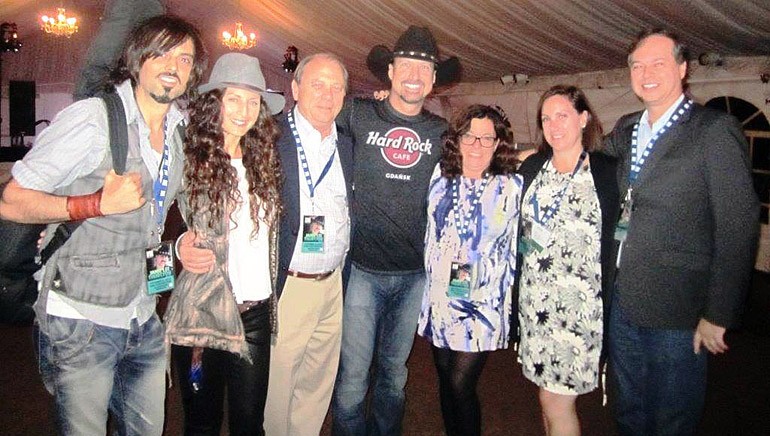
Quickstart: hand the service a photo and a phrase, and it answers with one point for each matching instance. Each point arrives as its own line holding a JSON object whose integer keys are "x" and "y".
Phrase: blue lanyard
{"x": 636, "y": 165}
{"x": 553, "y": 208}
{"x": 303, "y": 158}
{"x": 463, "y": 223}
{"x": 161, "y": 183}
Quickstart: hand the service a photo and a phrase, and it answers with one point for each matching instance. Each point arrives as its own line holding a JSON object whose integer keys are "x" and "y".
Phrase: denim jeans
{"x": 379, "y": 323}
{"x": 246, "y": 382}
{"x": 93, "y": 370}
{"x": 659, "y": 383}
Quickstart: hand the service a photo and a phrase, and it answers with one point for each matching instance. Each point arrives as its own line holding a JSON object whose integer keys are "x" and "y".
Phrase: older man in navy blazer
{"x": 687, "y": 239}
{"x": 314, "y": 239}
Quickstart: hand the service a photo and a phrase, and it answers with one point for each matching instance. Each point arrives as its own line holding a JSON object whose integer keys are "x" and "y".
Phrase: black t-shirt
{"x": 394, "y": 157}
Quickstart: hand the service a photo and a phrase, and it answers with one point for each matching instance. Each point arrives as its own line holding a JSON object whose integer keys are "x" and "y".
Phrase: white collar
{"x": 309, "y": 135}
{"x": 645, "y": 120}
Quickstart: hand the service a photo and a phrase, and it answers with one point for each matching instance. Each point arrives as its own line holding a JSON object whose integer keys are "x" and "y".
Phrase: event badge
{"x": 534, "y": 237}
{"x": 460, "y": 279}
{"x": 313, "y": 233}
{"x": 160, "y": 268}
{"x": 621, "y": 229}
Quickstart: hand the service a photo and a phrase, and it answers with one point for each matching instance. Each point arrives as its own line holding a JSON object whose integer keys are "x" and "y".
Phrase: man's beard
{"x": 416, "y": 100}
{"x": 164, "y": 98}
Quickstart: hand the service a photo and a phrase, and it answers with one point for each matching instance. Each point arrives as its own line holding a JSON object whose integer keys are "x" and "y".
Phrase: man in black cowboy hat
{"x": 397, "y": 145}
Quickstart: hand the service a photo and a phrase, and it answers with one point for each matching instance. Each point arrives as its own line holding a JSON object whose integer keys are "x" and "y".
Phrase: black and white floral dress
{"x": 560, "y": 305}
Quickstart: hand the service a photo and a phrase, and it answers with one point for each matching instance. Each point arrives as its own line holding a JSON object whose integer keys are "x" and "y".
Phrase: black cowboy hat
{"x": 415, "y": 43}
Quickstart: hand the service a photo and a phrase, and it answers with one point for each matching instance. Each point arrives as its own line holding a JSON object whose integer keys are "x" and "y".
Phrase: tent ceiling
{"x": 491, "y": 37}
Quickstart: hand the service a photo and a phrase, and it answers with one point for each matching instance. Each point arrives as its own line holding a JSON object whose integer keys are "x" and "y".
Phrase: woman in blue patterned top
{"x": 470, "y": 256}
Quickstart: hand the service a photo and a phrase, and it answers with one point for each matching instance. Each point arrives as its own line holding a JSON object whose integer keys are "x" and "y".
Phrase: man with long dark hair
{"x": 101, "y": 343}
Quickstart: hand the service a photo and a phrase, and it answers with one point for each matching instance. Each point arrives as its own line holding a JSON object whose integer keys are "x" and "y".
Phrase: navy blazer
{"x": 691, "y": 242}
{"x": 290, "y": 194}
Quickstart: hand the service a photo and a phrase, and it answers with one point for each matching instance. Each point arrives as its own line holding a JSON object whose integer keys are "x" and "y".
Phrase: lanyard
{"x": 636, "y": 165}
{"x": 303, "y": 158}
{"x": 161, "y": 183}
{"x": 553, "y": 208}
{"x": 463, "y": 223}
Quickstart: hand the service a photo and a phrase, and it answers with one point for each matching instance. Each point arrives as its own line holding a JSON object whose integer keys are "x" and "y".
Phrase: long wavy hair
{"x": 503, "y": 160}
{"x": 211, "y": 181}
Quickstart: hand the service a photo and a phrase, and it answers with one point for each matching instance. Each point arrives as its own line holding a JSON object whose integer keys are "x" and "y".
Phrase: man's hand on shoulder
{"x": 710, "y": 336}
{"x": 381, "y": 94}
{"x": 121, "y": 194}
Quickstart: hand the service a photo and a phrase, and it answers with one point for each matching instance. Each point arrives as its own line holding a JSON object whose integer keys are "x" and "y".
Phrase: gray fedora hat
{"x": 240, "y": 70}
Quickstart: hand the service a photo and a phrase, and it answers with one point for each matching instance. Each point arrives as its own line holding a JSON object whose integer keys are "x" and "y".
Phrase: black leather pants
{"x": 246, "y": 383}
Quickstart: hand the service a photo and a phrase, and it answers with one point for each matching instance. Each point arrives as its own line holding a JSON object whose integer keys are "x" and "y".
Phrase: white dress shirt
{"x": 329, "y": 200}
{"x": 645, "y": 133}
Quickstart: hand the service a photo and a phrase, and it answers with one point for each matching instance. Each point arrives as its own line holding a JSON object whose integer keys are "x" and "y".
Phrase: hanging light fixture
{"x": 239, "y": 40}
{"x": 290, "y": 59}
{"x": 9, "y": 38}
{"x": 60, "y": 25}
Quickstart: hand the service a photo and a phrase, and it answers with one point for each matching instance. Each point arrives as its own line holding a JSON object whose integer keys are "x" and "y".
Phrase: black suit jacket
{"x": 694, "y": 226}
{"x": 290, "y": 219}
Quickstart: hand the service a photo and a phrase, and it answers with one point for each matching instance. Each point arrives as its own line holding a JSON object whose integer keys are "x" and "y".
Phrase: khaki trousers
{"x": 304, "y": 359}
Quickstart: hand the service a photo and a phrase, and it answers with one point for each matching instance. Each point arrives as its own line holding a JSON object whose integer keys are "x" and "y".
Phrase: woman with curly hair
{"x": 470, "y": 258}
{"x": 569, "y": 211}
{"x": 220, "y": 321}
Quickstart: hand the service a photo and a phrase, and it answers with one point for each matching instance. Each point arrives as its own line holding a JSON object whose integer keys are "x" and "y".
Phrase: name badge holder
{"x": 159, "y": 258}
{"x": 160, "y": 268}
{"x": 461, "y": 280}
{"x": 462, "y": 275}
{"x": 313, "y": 237}
{"x": 535, "y": 234}
{"x": 313, "y": 233}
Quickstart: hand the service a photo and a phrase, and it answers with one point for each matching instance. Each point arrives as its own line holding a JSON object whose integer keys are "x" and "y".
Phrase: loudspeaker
{"x": 21, "y": 105}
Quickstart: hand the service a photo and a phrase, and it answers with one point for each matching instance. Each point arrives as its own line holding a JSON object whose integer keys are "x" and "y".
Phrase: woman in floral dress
{"x": 568, "y": 214}
{"x": 470, "y": 253}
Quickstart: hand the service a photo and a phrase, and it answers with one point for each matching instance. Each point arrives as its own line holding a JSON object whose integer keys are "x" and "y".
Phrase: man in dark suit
{"x": 687, "y": 238}
{"x": 318, "y": 166}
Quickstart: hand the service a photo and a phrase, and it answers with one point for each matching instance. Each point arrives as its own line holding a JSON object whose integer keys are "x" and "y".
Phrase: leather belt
{"x": 316, "y": 277}
{"x": 248, "y": 305}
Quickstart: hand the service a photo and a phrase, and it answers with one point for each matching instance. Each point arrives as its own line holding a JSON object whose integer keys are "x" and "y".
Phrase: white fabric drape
{"x": 491, "y": 37}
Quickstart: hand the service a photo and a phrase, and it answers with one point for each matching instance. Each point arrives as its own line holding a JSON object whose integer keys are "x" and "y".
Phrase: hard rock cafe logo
{"x": 400, "y": 146}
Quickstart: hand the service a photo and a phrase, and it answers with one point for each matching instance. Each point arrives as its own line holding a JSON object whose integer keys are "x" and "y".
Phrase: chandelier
{"x": 239, "y": 41}
{"x": 61, "y": 25}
